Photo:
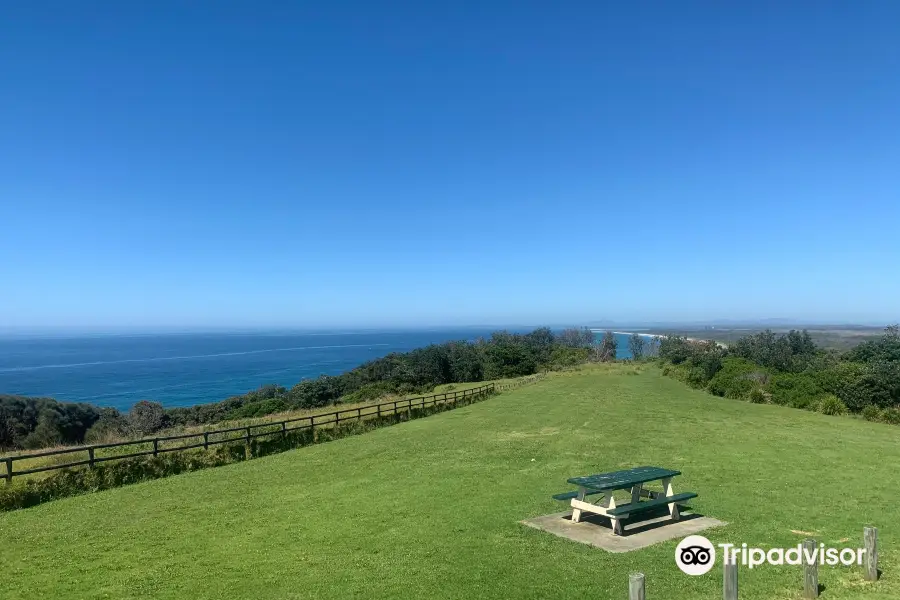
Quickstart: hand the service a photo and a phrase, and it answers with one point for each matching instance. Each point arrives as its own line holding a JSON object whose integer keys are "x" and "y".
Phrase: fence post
{"x": 9, "y": 470}
{"x": 155, "y": 446}
{"x": 378, "y": 406}
{"x": 636, "y": 587}
{"x": 811, "y": 571}
{"x": 91, "y": 457}
{"x": 206, "y": 440}
{"x": 247, "y": 451}
{"x": 730, "y": 580}
{"x": 359, "y": 414}
{"x": 283, "y": 429}
{"x": 870, "y": 541}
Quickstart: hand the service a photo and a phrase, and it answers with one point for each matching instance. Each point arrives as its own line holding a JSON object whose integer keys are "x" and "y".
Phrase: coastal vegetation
{"x": 44, "y": 422}
{"x": 790, "y": 369}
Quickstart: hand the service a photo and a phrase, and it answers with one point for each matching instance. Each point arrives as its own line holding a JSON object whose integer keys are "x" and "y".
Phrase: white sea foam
{"x": 168, "y": 358}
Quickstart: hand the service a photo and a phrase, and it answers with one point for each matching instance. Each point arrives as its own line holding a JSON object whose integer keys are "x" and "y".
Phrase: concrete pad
{"x": 596, "y": 530}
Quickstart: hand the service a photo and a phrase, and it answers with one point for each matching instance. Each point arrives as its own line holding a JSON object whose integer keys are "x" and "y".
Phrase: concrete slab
{"x": 596, "y": 530}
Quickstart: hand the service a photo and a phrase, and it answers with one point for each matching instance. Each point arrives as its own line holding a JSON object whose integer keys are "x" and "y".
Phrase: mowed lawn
{"x": 431, "y": 508}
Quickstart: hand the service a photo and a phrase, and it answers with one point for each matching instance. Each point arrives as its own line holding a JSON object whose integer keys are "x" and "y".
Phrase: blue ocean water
{"x": 186, "y": 369}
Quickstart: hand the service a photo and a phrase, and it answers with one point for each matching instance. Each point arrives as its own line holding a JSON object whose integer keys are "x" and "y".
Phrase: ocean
{"x": 186, "y": 369}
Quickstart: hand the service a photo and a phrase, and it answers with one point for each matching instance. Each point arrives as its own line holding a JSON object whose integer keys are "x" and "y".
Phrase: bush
{"x": 563, "y": 357}
{"x": 758, "y": 396}
{"x": 258, "y": 409}
{"x": 147, "y": 417}
{"x": 695, "y": 377}
{"x": 111, "y": 426}
{"x": 829, "y": 404}
{"x": 871, "y": 413}
{"x": 891, "y": 415}
{"x": 47, "y": 433}
{"x": 737, "y": 378}
{"x": 799, "y": 390}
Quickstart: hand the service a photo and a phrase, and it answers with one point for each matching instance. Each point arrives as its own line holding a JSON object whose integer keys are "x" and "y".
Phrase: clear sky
{"x": 406, "y": 163}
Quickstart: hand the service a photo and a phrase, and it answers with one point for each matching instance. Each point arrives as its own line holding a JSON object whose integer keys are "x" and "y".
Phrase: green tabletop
{"x": 618, "y": 480}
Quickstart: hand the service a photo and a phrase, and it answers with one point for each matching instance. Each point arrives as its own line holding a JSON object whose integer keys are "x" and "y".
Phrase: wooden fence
{"x": 205, "y": 439}
{"x": 502, "y": 387}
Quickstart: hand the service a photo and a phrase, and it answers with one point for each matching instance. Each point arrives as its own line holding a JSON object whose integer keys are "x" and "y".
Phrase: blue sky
{"x": 363, "y": 163}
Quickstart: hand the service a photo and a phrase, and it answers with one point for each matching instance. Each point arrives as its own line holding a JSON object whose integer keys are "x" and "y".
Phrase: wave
{"x": 166, "y": 358}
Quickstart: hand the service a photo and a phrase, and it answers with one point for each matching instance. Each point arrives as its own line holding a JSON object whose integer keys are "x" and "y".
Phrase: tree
{"x": 651, "y": 348}
{"x": 884, "y": 349}
{"x": 606, "y": 350}
{"x": 508, "y": 355}
{"x": 636, "y": 345}
{"x": 541, "y": 342}
{"x": 466, "y": 362}
{"x": 675, "y": 349}
{"x": 147, "y": 417}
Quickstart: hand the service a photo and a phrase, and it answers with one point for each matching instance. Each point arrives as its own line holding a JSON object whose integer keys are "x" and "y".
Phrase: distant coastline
{"x": 650, "y": 335}
{"x": 653, "y": 335}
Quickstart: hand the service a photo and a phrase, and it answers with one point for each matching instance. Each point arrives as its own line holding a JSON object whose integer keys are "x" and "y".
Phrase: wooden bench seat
{"x": 632, "y": 508}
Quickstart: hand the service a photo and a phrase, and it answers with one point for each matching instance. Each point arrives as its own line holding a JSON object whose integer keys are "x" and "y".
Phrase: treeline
{"x": 42, "y": 422}
{"x": 790, "y": 370}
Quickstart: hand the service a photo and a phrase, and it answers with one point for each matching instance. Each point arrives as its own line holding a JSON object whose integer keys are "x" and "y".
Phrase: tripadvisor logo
{"x": 696, "y": 555}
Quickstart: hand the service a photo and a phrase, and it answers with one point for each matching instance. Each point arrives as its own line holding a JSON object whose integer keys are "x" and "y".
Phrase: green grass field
{"x": 431, "y": 508}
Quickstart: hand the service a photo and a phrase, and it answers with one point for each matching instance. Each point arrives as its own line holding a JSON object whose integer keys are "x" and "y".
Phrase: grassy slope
{"x": 430, "y": 508}
{"x": 232, "y": 423}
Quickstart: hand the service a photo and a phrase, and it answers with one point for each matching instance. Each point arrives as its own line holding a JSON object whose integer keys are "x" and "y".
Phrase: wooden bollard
{"x": 870, "y": 542}
{"x": 811, "y": 571}
{"x": 730, "y": 581}
{"x": 636, "y": 587}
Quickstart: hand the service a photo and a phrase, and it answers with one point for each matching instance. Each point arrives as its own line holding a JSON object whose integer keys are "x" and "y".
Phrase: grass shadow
{"x": 648, "y": 521}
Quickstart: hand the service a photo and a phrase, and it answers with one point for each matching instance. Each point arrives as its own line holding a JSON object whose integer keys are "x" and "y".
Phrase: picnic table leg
{"x": 576, "y": 512}
{"x": 668, "y": 490}
{"x": 608, "y": 504}
{"x": 636, "y": 493}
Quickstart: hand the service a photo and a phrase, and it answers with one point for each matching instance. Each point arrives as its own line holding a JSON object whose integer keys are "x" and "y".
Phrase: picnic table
{"x": 604, "y": 484}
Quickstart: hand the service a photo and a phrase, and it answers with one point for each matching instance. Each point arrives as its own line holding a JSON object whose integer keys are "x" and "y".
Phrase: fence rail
{"x": 246, "y": 433}
{"x": 502, "y": 387}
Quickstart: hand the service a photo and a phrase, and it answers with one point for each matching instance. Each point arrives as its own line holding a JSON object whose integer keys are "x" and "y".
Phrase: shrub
{"x": 563, "y": 357}
{"x": 891, "y": 415}
{"x": 110, "y": 427}
{"x": 758, "y": 396}
{"x": 829, "y": 404}
{"x": 695, "y": 377}
{"x": 871, "y": 413}
{"x": 799, "y": 390}
{"x": 147, "y": 417}
{"x": 47, "y": 433}
{"x": 737, "y": 378}
{"x": 258, "y": 409}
